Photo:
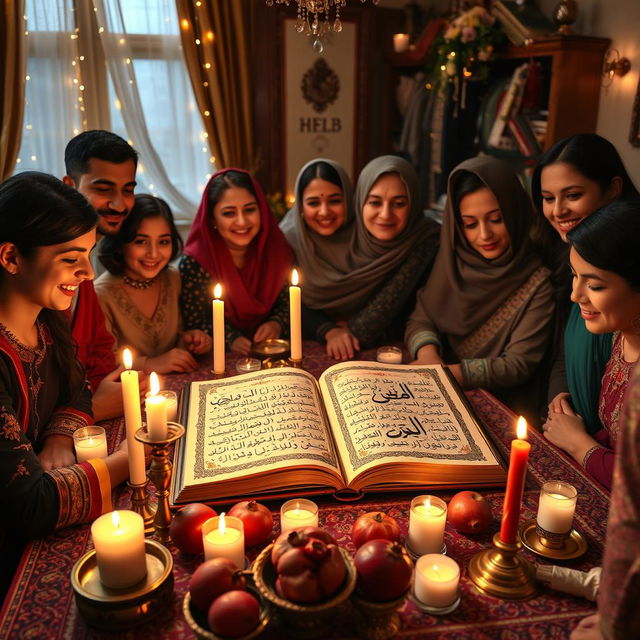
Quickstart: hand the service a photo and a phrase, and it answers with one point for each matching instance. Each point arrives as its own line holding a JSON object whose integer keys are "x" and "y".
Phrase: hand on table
{"x": 267, "y": 330}
{"x": 428, "y": 354}
{"x": 588, "y": 629}
{"x": 57, "y": 452}
{"x": 568, "y": 432}
{"x": 241, "y": 345}
{"x": 555, "y": 406}
{"x": 174, "y": 361}
{"x": 341, "y": 343}
{"x": 196, "y": 341}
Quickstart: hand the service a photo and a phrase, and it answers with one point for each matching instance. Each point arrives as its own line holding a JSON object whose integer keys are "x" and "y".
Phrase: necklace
{"x": 138, "y": 284}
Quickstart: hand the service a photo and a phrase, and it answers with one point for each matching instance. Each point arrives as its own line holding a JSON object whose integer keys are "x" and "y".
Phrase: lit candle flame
{"x": 436, "y": 569}
{"x": 521, "y": 429}
{"x": 154, "y": 383}
{"x": 217, "y": 291}
{"x": 115, "y": 518}
{"x": 222, "y": 527}
{"x": 90, "y": 441}
{"x": 427, "y": 504}
{"x": 297, "y": 509}
{"x": 127, "y": 359}
{"x": 294, "y": 277}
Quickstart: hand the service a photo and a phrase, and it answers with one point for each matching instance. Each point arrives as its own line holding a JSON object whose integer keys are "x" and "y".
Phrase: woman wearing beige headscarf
{"x": 488, "y": 304}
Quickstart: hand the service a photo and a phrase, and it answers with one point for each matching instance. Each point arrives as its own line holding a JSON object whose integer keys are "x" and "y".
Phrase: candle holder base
{"x": 274, "y": 363}
{"x": 119, "y": 609}
{"x": 218, "y": 375}
{"x": 573, "y": 546}
{"x": 435, "y": 611}
{"x": 415, "y": 555}
{"x": 377, "y": 620}
{"x": 502, "y": 573}
{"x": 160, "y": 474}
{"x": 140, "y": 505}
{"x": 295, "y": 363}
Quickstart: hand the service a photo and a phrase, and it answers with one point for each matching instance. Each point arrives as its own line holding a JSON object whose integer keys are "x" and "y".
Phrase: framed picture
{"x": 634, "y": 133}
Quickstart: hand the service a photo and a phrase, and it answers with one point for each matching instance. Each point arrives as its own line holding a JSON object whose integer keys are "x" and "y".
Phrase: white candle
{"x": 172, "y": 404}
{"x": 223, "y": 537}
{"x": 389, "y": 355}
{"x": 155, "y": 406}
{"x": 295, "y": 317}
{"x": 90, "y": 442}
{"x": 247, "y": 365}
{"x": 133, "y": 420}
{"x": 297, "y": 514}
{"x": 436, "y": 580}
{"x": 427, "y": 519}
{"x": 218, "y": 330}
{"x": 400, "y": 42}
{"x": 118, "y": 538}
{"x": 556, "y": 507}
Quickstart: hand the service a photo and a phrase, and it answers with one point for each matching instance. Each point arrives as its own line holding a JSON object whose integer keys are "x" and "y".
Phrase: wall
{"x": 617, "y": 20}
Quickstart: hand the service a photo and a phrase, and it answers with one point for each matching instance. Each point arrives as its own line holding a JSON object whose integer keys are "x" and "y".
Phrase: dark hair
{"x": 38, "y": 210}
{"x": 608, "y": 239}
{"x": 319, "y": 169}
{"x": 225, "y": 181}
{"x": 146, "y": 206}
{"x": 465, "y": 183}
{"x": 99, "y": 144}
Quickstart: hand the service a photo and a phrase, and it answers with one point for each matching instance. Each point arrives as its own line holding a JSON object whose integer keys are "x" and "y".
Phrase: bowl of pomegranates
{"x": 306, "y": 575}
{"x": 221, "y": 603}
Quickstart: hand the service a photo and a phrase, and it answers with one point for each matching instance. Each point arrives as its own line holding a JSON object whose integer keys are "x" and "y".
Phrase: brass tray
{"x": 575, "y": 545}
{"x": 274, "y": 348}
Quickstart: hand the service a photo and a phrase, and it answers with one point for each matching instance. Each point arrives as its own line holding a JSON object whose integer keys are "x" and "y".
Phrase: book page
{"x": 392, "y": 413}
{"x": 255, "y": 423}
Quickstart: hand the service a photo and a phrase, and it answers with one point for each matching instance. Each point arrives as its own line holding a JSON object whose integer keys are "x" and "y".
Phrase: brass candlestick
{"x": 502, "y": 572}
{"x": 296, "y": 363}
{"x": 160, "y": 474}
{"x": 140, "y": 504}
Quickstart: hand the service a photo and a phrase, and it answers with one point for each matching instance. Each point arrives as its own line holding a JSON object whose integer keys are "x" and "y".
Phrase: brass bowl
{"x": 197, "y": 620}
{"x": 378, "y": 620}
{"x": 273, "y": 348}
{"x": 302, "y": 620}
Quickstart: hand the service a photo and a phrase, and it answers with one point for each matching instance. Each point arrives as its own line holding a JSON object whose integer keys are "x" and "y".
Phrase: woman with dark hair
{"x": 139, "y": 293}
{"x": 605, "y": 263}
{"x": 47, "y": 230}
{"x": 576, "y": 176}
{"x": 319, "y": 229}
{"x": 235, "y": 240}
{"x": 487, "y": 307}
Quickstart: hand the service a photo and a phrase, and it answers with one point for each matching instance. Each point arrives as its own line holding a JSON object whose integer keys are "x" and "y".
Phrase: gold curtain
{"x": 13, "y": 66}
{"x": 215, "y": 38}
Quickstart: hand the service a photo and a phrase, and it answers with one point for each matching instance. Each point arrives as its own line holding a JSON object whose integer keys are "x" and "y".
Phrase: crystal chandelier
{"x": 314, "y": 18}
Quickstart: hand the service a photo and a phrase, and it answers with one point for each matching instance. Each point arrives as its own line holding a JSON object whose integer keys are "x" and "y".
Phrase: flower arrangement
{"x": 466, "y": 45}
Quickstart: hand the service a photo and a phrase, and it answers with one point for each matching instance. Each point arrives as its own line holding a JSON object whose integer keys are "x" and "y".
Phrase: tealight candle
{"x": 556, "y": 507}
{"x": 298, "y": 513}
{"x": 400, "y": 42}
{"x": 132, "y": 419}
{"x": 218, "y": 330}
{"x": 172, "y": 404}
{"x": 436, "y": 580}
{"x": 223, "y": 537}
{"x": 118, "y": 538}
{"x": 389, "y": 355}
{"x": 427, "y": 519}
{"x": 247, "y": 365}
{"x": 155, "y": 406}
{"x": 90, "y": 442}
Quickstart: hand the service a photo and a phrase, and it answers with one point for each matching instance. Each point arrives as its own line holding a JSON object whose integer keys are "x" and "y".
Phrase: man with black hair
{"x": 102, "y": 167}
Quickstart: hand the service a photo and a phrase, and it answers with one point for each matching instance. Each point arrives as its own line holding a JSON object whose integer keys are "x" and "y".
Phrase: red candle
{"x": 515, "y": 484}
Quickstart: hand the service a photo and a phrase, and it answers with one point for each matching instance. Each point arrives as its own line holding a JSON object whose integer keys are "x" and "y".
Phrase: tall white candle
{"x": 90, "y": 442}
{"x": 132, "y": 419}
{"x": 436, "y": 580}
{"x": 295, "y": 317}
{"x": 223, "y": 537}
{"x": 556, "y": 507}
{"x": 298, "y": 513}
{"x": 218, "y": 330}
{"x": 155, "y": 406}
{"x": 118, "y": 538}
{"x": 427, "y": 519}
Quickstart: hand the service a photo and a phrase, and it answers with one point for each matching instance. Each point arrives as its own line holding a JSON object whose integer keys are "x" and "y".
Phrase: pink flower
{"x": 468, "y": 34}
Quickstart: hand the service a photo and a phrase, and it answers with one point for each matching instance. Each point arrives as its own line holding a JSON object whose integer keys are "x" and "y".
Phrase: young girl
{"x": 487, "y": 307}
{"x": 46, "y": 233}
{"x": 319, "y": 229}
{"x": 575, "y": 177}
{"x": 235, "y": 240}
{"x": 139, "y": 292}
{"x": 605, "y": 263}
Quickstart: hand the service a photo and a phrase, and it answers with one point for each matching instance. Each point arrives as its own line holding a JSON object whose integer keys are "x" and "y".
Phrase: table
{"x": 40, "y": 601}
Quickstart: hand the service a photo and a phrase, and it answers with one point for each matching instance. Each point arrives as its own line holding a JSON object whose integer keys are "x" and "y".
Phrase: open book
{"x": 364, "y": 427}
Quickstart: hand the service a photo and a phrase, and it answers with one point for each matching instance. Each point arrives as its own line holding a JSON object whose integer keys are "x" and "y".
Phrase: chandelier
{"x": 314, "y": 18}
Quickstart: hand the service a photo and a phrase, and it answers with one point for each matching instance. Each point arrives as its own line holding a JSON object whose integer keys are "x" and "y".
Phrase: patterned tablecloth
{"x": 40, "y": 603}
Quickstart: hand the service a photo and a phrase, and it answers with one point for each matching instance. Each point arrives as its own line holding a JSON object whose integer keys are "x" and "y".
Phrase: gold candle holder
{"x": 140, "y": 504}
{"x": 160, "y": 474}
{"x": 502, "y": 572}
{"x": 296, "y": 364}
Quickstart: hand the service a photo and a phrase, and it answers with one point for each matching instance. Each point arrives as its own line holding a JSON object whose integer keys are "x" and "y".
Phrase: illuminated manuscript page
{"x": 396, "y": 413}
{"x": 255, "y": 423}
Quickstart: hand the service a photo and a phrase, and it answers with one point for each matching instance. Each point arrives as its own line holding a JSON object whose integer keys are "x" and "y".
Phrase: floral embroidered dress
{"x": 599, "y": 461}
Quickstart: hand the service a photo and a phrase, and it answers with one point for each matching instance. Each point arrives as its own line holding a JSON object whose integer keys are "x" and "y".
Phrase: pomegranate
{"x": 384, "y": 570}
{"x": 234, "y": 614}
{"x": 257, "y": 521}
{"x": 186, "y": 527}
{"x": 213, "y": 578}
{"x": 469, "y": 512}
{"x": 375, "y": 525}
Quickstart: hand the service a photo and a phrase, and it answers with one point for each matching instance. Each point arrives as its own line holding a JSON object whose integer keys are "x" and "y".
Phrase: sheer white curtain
{"x": 146, "y": 85}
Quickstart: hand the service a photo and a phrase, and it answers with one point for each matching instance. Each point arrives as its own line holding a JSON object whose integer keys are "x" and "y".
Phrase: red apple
{"x": 256, "y": 519}
{"x": 375, "y": 525}
{"x": 186, "y": 527}
{"x": 213, "y": 578}
{"x": 469, "y": 512}
{"x": 234, "y": 614}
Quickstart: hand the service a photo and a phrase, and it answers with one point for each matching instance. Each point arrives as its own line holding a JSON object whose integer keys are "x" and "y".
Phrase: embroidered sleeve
{"x": 195, "y": 296}
{"x": 475, "y": 373}
{"x": 65, "y": 421}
